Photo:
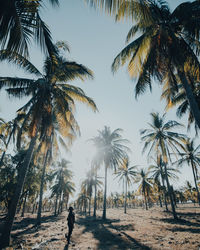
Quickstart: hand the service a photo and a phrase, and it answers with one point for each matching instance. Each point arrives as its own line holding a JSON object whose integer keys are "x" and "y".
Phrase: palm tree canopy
{"x": 126, "y": 171}
{"x": 160, "y": 138}
{"x": 144, "y": 181}
{"x": 166, "y": 43}
{"x": 191, "y": 154}
{"x": 51, "y": 95}
{"x": 110, "y": 147}
{"x": 20, "y": 21}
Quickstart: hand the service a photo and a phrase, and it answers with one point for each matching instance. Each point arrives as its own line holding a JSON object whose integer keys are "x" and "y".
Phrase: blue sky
{"x": 95, "y": 39}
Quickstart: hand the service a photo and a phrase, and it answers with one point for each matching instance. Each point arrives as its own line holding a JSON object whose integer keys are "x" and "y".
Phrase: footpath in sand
{"x": 138, "y": 229}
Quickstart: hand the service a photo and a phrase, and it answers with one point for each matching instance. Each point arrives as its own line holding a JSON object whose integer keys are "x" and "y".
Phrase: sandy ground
{"x": 138, "y": 229}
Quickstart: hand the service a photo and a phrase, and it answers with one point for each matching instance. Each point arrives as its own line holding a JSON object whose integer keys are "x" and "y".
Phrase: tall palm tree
{"x": 144, "y": 184}
{"x": 127, "y": 173}
{"x": 20, "y": 21}
{"x": 166, "y": 45}
{"x": 191, "y": 156}
{"x": 111, "y": 151}
{"x": 51, "y": 95}
{"x": 161, "y": 139}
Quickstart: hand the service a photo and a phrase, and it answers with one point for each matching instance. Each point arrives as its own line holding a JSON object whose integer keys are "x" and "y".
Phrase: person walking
{"x": 71, "y": 220}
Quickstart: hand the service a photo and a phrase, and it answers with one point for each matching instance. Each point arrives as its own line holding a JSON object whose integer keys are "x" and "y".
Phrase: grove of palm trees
{"x": 121, "y": 147}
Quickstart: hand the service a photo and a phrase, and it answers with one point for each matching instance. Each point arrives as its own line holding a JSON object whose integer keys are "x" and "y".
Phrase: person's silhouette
{"x": 71, "y": 220}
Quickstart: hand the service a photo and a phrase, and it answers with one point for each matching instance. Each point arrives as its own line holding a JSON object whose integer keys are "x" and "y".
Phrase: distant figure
{"x": 71, "y": 220}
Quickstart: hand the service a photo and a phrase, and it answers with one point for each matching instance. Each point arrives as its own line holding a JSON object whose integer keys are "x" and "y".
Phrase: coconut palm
{"x": 111, "y": 151}
{"x": 10, "y": 130}
{"x": 191, "y": 157}
{"x": 127, "y": 173}
{"x": 145, "y": 186}
{"x": 166, "y": 45}
{"x": 161, "y": 139}
{"x": 51, "y": 95}
{"x": 63, "y": 185}
{"x": 176, "y": 97}
{"x": 110, "y": 6}
{"x": 158, "y": 173}
{"x": 20, "y": 22}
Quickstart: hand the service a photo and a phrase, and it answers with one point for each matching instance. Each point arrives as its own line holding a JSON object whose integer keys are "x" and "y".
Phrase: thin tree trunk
{"x": 105, "y": 194}
{"x": 170, "y": 194}
{"x": 38, "y": 221}
{"x": 160, "y": 200}
{"x": 4, "y": 152}
{"x": 95, "y": 197}
{"x": 7, "y": 227}
{"x": 164, "y": 192}
{"x": 145, "y": 200}
{"x": 56, "y": 203}
{"x": 89, "y": 204}
{"x": 190, "y": 96}
{"x": 125, "y": 197}
{"x": 24, "y": 204}
{"x": 195, "y": 181}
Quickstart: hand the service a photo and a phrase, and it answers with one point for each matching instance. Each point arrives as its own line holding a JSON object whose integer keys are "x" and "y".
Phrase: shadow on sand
{"x": 109, "y": 235}
{"x": 26, "y": 222}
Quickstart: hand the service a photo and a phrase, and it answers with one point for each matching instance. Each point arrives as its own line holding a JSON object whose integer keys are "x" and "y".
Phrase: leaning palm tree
{"x": 111, "y": 151}
{"x": 160, "y": 139}
{"x": 51, "y": 95}
{"x": 166, "y": 45}
{"x": 127, "y": 173}
{"x": 191, "y": 156}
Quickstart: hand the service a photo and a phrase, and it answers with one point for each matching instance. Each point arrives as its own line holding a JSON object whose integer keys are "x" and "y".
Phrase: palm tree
{"x": 175, "y": 96}
{"x": 20, "y": 21}
{"x": 111, "y": 151}
{"x": 160, "y": 138}
{"x": 51, "y": 96}
{"x": 191, "y": 156}
{"x": 127, "y": 173}
{"x": 166, "y": 45}
{"x": 10, "y": 130}
{"x": 63, "y": 185}
{"x": 87, "y": 185}
{"x": 145, "y": 184}
{"x": 110, "y": 6}
{"x": 158, "y": 172}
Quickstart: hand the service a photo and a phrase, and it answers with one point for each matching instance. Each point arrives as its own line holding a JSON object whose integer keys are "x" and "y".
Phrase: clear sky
{"x": 95, "y": 39}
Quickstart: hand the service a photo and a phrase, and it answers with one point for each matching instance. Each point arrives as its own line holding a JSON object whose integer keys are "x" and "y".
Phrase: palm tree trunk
{"x": 24, "y": 204}
{"x": 164, "y": 192}
{"x": 170, "y": 194}
{"x": 125, "y": 197}
{"x": 56, "y": 203}
{"x": 7, "y": 227}
{"x": 95, "y": 197}
{"x": 90, "y": 204}
{"x": 145, "y": 200}
{"x": 105, "y": 194}
{"x": 190, "y": 96}
{"x": 4, "y": 152}
{"x": 195, "y": 181}
{"x": 38, "y": 221}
